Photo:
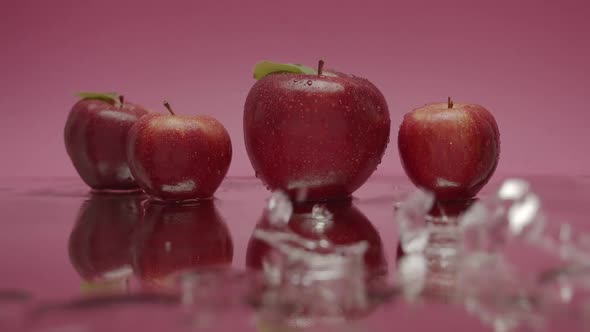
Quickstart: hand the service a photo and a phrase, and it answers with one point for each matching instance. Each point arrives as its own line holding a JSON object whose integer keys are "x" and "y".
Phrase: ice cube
{"x": 491, "y": 222}
{"x": 410, "y": 215}
{"x": 523, "y": 213}
{"x": 320, "y": 212}
{"x": 279, "y": 209}
{"x": 513, "y": 189}
{"x": 411, "y": 274}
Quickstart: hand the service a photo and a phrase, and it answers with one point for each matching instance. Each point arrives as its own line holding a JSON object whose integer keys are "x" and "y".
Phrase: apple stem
{"x": 320, "y": 67}
{"x": 121, "y": 100}
{"x": 167, "y": 105}
{"x": 450, "y": 102}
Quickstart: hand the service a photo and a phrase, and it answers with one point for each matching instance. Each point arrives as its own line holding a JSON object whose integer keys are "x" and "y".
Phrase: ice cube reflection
{"x": 337, "y": 223}
{"x": 317, "y": 266}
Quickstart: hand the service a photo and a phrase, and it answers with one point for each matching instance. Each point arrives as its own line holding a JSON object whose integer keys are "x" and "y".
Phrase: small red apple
{"x": 321, "y": 132}
{"x": 100, "y": 242}
{"x": 174, "y": 238}
{"x": 344, "y": 225}
{"x": 449, "y": 149}
{"x": 95, "y": 136}
{"x": 178, "y": 157}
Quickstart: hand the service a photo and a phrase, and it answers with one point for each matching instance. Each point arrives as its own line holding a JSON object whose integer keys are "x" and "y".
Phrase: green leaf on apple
{"x": 109, "y": 97}
{"x": 264, "y": 68}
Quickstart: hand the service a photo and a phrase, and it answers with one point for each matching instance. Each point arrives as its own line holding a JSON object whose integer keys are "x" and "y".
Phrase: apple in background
{"x": 95, "y": 135}
{"x": 449, "y": 149}
{"x": 319, "y": 134}
{"x": 178, "y": 157}
{"x": 99, "y": 245}
{"x": 175, "y": 238}
{"x": 345, "y": 226}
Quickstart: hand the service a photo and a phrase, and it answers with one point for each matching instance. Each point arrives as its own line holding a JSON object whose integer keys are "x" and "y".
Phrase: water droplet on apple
{"x": 309, "y": 82}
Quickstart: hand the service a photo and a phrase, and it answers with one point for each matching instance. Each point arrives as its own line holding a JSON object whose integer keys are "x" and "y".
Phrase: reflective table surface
{"x": 74, "y": 261}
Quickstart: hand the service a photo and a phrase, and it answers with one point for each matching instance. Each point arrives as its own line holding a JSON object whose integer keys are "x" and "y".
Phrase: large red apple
{"x": 344, "y": 225}
{"x": 321, "y": 133}
{"x": 449, "y": 149}
{"x": 100, "y": 243}
{"x": 95, "y": 135}
{"x": 175, "y": 238}
{"x": 178, "y": 157}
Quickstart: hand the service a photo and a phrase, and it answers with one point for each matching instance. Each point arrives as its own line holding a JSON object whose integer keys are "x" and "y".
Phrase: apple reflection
{"x": 176, "y": 238}
{"x": 100, "y": 243}
{"x": 346, "y": 226}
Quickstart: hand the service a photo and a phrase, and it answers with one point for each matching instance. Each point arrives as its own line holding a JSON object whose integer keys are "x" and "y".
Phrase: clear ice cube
{"x": 411, "y": 274}
{"x": 410, "y": 215}
{"x": 279, "y": 209}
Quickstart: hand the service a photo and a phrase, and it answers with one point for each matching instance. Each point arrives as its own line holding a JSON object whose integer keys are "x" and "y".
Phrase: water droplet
{"x": 309, "y": 82}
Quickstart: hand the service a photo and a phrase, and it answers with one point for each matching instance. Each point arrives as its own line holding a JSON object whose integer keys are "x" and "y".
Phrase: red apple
{"x": 346, "y": 226}
{"x": 449, "y": 149}
{"x": 100, "y": 242}
{"x": 175, "y": 238}
{"x": 95, "y": 136}
{"x": 178, "y": 157}
{"x": 320, "y": 132}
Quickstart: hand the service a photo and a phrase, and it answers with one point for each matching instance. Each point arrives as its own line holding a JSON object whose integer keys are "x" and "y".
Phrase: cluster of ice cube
{"x": 309, "y": 281}
{"x": 511, "y": 265}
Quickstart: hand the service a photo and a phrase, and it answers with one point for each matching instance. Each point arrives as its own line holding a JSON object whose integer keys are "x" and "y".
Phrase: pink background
{"x": 527, "y": 61}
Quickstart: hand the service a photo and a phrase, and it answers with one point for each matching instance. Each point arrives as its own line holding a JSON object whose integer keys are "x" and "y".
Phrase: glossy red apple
{"x": 99, "y": 245}
{"x": 321, "y": 133}
{"x": 345, "y": 226}
{"x": 95, "y": 136}
{"x": 175, "y": 238}
{"x": 449, "y": 149}
{"x": 178, "y": 157}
